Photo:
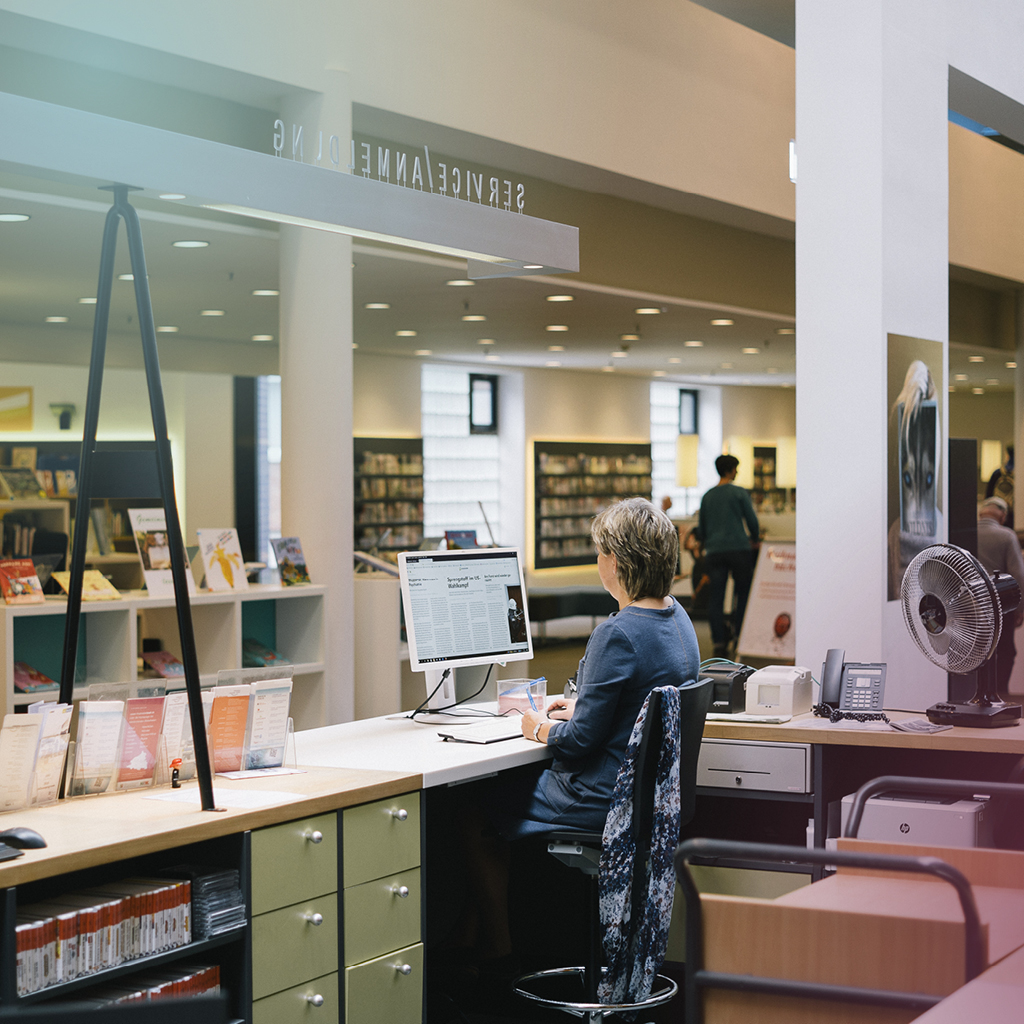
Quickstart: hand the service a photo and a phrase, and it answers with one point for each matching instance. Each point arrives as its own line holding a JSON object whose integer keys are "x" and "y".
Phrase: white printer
{"x": 779, "y": 690}
{"x": 927, "y": 820}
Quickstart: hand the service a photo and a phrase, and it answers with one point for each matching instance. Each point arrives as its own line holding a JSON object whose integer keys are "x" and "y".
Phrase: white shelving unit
{"x": 44, "y": 513}
{"x": 288, "y": 619}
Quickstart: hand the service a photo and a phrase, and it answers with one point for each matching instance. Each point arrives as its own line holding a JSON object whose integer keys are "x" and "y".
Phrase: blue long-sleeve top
{"x": 627, "y": 656}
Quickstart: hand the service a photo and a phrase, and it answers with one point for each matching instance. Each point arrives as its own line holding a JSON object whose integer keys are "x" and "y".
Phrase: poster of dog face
{"x": 916, "y": 414}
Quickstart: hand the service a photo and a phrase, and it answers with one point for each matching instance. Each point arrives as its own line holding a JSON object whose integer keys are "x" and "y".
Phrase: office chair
{"x": 582, "y": 850}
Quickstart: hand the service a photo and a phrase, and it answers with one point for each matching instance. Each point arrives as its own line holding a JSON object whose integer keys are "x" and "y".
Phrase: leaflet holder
{"x": 131, "y": 471}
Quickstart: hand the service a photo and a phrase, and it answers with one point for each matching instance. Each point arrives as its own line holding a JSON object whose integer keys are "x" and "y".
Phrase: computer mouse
{"x": 22, "y": 838}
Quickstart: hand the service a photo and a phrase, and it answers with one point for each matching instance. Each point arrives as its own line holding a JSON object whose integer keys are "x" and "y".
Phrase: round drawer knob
{"x": 315, "y": 919}
{"x": 403, "y": 969}
{"x": 400, "y": 891}
{"x": 315, "y": 1000}
{"x": 739, "y": 780}
{"x": 315, "y": 836}
{"x": 401, "y": 814}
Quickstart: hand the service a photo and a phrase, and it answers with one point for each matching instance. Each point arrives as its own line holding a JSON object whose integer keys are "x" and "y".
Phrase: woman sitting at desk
{"x": 649, "y": 642}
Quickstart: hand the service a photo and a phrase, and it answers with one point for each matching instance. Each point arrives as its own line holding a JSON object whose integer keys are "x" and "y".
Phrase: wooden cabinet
{"x": 388, "y": 493}
{"x": 573, "y": 481}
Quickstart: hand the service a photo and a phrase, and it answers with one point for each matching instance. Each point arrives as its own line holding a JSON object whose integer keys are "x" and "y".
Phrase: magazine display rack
{"x": 573, "y": 481}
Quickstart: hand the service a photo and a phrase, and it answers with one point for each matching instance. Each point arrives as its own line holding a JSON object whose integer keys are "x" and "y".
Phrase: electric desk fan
{"x": 956, "y": 611}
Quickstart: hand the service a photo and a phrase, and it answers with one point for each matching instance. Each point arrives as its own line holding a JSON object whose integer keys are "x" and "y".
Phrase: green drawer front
{"x": 378, "y": 920}
{"x": 288, "y": 866}
{"x": 378, "y": 841}
{"x": 288, "y": 949}
{"x": 293, "y": 1006}
{"x": 378, "y": 993}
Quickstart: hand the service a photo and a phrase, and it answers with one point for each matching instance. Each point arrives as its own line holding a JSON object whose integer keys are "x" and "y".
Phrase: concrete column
{"x": 316, "y": 410}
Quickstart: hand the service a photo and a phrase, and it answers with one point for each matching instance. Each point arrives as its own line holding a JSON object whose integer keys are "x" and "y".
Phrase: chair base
{"x": 593, "y": 1013}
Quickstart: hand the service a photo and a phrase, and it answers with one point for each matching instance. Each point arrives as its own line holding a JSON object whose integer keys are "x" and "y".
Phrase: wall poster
{"x": 915, "y": 412}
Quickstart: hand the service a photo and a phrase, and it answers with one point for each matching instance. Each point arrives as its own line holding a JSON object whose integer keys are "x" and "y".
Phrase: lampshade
{"x": 991, "y": 458}
{"x": 785, "y": 462}
{"x": 686, "y": 460}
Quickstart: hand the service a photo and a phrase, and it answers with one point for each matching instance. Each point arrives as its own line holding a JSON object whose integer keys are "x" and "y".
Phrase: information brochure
{"x": 150, "y": 531}
{"x": 143, "y": 718}
{"x": 54, "y": 733}
{"x": 19, "y": 741}
{"x": 99, "y": 741}
{"x": 222, "y": 559}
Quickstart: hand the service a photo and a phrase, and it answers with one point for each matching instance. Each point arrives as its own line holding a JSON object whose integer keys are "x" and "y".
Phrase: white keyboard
{"x": 742, "y": 716}
{"x": 490, "y": 730}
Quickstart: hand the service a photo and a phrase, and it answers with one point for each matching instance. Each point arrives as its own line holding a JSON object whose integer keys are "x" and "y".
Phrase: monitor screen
{"x": 464, "y": 607}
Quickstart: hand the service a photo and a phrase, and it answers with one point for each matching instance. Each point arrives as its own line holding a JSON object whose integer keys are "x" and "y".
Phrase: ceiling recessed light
{"x": 556, "y": 327}
{"x": 659, "y": 373}
{"x": 751, "y": 351}
{"x": 13, "y": 218}
{"x": 262, "y": 337}
{"x": 88, "y": 300}
{"x": 726, "y": 366}
{"x": 552, "y": 362}
{"x": 405, "y": 334}
{"x": 992, "y": 381}
{"x": 629, "y": 337}
{"x": 424, "y": 352}
{"x": 1010, "y": 364}
{"x": 190, "y": 243}
{"x": 355, "y": 344}
{"x": 675, "y": 359}
{"x": 694, "y": 344}
{"x": 211, "y": 312}
{"x": 977, "y": 391}
{"x": 460, "y": 283}
{"x": 376, "y": 305}
{"x": 975, "y": 359}
{"x": 474, "y": 317}
{"x": 722, "y": 323}
{"x": 607, "y": 369}
{"x": 485, "y": 341}
{"x": 785, "y": 330}
{"x": 619, "y": 355}
{"x": 172, "y": 195}
{"x": 960, "y": 376}
{"x": 560, "y": 298}
{"x": 951, "y": 388}
{"x": 556, "y": 348}
{"x": 126, "y": 277}
{"x": 56, "y": 319}
{"x": 533, "y": 266}
{"x": 492, "y": 357}
{"x": 265, "y": 291}
{"x": 167, "y": 329}
{"x": 647, "y": 310}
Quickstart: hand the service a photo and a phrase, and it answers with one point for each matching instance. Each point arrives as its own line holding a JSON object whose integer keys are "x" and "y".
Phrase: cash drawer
{"x": 755, "y": 765}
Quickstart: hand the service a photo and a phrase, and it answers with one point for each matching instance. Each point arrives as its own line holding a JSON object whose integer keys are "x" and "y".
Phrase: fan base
{"x": 974, "y": 716}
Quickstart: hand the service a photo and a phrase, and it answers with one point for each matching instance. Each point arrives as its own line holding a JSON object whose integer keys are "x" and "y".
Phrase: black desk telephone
{"x": 850, "y": 685}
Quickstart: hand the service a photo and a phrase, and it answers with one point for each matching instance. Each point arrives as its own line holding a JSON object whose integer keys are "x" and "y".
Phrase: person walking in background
{"x": 999, "y": 551}
{"x": 1000, "y": 485}
{"x": 727, "y": 527}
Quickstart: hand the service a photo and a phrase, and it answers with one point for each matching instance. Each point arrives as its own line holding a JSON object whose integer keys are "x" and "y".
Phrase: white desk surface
{"x": 405, "y": 746}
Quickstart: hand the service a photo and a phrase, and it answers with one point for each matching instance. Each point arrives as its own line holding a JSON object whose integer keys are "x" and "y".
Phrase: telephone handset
{"x": 852, "y": 686}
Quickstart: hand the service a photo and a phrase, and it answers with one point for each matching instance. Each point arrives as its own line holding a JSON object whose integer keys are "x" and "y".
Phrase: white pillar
{"x": 316, "y": 410}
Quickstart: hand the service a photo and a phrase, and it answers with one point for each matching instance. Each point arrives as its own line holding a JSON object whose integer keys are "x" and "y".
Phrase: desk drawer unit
{"x": 383, "y": 956}
{"x": 316, "y": 1002}
{"x": 293, "y": 862}
{"x": 754, "y": 765}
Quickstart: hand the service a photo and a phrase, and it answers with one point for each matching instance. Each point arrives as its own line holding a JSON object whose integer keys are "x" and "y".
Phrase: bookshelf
{"x": 573, "y": 481}
{"x": 388, "y": 493}
{"x": 288, "y": 619}
{"x": 49, "y": 514}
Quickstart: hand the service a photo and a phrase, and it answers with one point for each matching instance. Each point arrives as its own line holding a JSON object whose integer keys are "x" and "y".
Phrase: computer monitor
{"x": 462, "y": 608}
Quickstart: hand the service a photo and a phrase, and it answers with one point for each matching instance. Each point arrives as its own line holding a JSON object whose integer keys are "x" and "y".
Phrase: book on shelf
{"x": 149, "y": 529}
{"x": 19, "y": 535}
{"x": 19, "y": 742}
{"x": 20, "y": 483}
{"x": 258, "y": 655}
{"x": 24, "y": 457}
{"x": 291, "y": 563}
{"x": 98, "y": 743}
{"x": 143, "y": 719}
{"x": 19, "y": 581}
{"x": 98, "y": 529}
{"x": 54, "y": 734}
{"x": 460, "y": 539}
{"x": 222, "y": 559}
{"x": 30, "y": 680}
{"x": 95, "y": 586}
{"x": 165, "y": 663}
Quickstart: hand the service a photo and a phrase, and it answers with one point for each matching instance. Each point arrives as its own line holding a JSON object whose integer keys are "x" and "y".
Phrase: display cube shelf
{"x": 388, "y": 493}
{"x": 573, "y": 481}
{"x": 288, "y": 619}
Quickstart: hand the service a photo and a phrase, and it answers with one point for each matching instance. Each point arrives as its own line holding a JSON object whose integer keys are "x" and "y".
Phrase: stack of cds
{"x": 217, "y": 903}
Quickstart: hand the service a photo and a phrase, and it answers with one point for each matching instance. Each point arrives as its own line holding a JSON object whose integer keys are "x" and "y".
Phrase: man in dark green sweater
{"x": 727, "y": 527}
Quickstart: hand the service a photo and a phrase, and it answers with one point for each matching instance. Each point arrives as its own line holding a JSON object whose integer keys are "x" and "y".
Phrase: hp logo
{"x": 904, "y": 828}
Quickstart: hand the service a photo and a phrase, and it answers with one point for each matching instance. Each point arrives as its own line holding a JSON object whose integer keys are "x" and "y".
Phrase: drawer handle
{"x": 314, "y": 919}
{"x": 401, "y": 891}
{"x": 314, "y": 836}
{"x": 405, "y": 969}
{"x": 401, "y": 814}
{"x": 315, "y": 1000}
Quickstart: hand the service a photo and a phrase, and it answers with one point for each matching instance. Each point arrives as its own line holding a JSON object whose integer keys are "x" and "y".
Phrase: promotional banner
{"x": 769, "y": 625}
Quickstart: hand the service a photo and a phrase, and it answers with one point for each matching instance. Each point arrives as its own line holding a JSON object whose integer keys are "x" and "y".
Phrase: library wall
{"x": 987, "y": 417}
{"x": 561, "y": 404}
{"x": 385, "y": 396}
{"x": 758, "y": 412}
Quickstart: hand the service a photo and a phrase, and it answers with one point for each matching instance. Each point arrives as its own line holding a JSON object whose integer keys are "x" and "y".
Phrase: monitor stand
{"x": 440, "y": 696}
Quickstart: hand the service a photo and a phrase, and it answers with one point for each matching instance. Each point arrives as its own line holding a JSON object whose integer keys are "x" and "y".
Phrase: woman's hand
{"x": 529, "y": 722}
{"x": 561, "y": 708}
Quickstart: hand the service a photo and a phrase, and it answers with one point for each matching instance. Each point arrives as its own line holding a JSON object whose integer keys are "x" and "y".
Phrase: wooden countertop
{"x": 91, "y": 830}
{"x": 808, "y": 729}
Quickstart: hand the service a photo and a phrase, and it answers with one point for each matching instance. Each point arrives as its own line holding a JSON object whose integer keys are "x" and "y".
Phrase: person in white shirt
{"x": 999, "y": 551}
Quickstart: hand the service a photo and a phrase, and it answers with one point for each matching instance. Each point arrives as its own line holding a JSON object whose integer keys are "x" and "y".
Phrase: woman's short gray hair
{"x": 645, "y": 544}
